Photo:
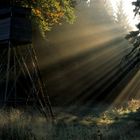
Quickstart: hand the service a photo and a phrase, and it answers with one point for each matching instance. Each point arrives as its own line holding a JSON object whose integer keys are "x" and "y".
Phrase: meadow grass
{"x": 121, "y": 123}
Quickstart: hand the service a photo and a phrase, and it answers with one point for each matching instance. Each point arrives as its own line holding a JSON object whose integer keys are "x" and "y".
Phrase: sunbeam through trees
{"x": 69, "y": 69}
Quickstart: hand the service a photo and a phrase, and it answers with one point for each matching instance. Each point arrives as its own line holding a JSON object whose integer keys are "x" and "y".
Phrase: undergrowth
{"x": 121, "y": 123}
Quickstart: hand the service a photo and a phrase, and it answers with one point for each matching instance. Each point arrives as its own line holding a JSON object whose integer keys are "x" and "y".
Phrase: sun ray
{"x": 128, "y": 9}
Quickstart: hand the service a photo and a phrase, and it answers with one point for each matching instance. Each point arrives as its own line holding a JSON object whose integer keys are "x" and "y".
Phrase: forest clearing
{"x": 69, "y": 70}
{"x": 114, "y": 123}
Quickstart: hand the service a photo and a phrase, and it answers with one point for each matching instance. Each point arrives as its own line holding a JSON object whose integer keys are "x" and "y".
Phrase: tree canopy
{"x": 47, "y": 13}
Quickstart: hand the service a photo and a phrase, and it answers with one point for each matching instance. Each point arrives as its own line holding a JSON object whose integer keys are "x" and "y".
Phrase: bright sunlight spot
{"x": 128, "y": 9}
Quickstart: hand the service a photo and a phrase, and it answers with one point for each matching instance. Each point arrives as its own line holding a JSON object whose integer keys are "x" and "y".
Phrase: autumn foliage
{"x": 47, "y": 13}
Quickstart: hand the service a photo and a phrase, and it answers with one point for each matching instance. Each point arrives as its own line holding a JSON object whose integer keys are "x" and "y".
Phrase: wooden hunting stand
{"x": 20, "y": 78}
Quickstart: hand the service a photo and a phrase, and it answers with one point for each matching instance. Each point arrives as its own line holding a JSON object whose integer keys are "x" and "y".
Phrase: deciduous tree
{"x": 47, "y": 13}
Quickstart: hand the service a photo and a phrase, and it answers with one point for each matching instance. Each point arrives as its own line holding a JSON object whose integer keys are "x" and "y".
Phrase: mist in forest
{"x": 80, "y": 62}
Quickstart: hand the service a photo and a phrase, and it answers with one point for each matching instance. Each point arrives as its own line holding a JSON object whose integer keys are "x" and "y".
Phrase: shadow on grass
{"x": 22, "y": 126}
{"x": 127, "y": 127}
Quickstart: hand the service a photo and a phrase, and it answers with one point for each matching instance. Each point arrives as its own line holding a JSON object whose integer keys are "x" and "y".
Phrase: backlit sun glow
{"x": 128, "y": 9}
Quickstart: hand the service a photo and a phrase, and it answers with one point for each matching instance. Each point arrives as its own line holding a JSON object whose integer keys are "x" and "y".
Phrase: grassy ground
{"x": 121, "y": 123}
